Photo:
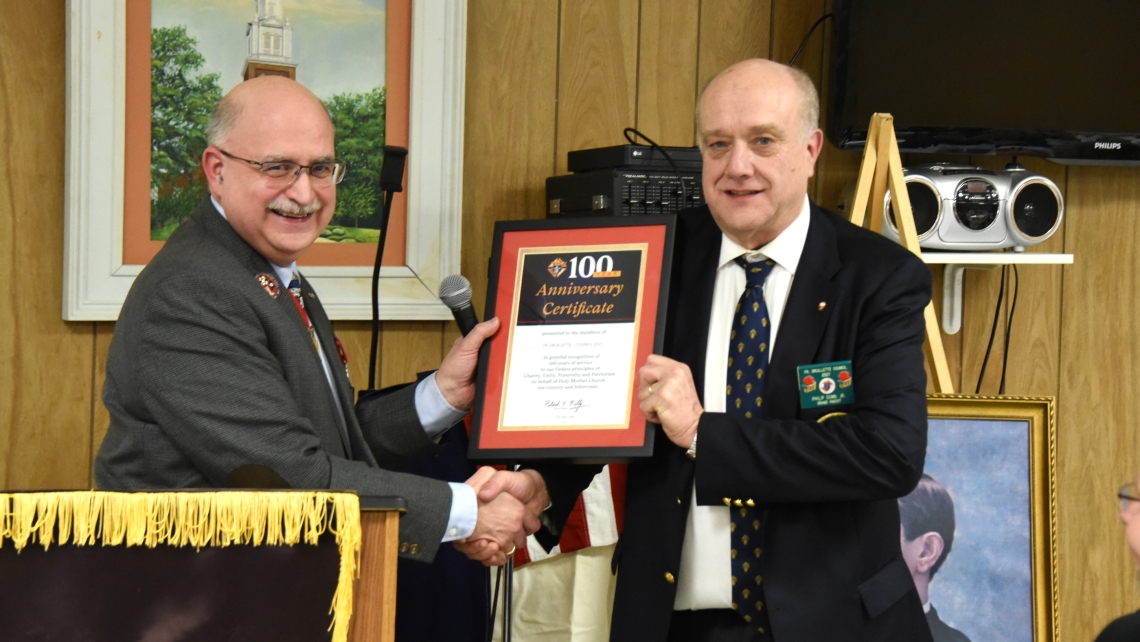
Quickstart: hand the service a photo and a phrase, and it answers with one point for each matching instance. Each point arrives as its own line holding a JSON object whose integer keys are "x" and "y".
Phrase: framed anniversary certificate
{"x": 582, "y": 305}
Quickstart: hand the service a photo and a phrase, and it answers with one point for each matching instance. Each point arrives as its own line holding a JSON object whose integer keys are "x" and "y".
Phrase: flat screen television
{"x": 1053, "y": 78}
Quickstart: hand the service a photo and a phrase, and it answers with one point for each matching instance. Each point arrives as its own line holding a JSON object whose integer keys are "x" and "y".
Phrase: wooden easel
{"x": 882, "y": 165}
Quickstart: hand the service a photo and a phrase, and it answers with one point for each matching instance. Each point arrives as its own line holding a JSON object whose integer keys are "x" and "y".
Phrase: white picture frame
{"x": 95, "y": 279}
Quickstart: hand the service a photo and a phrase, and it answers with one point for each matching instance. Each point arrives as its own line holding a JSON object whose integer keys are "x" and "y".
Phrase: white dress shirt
{"x": 705, "y": 578}
{"x": 435, "y": 414}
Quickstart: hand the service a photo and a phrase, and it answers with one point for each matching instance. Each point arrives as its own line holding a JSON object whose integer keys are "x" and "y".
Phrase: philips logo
{"x": 1106, "y": 145}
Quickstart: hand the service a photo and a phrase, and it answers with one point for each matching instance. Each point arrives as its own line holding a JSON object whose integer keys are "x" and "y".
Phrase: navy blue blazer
{"x": 832, "y": 566}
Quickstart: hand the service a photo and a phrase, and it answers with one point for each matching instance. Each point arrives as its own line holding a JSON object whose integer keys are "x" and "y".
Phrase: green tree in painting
{"x": 181, "y": 100}
{"x": 359, "y": 123}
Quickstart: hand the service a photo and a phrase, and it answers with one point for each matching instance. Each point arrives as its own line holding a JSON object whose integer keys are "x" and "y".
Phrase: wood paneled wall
{"x": 46, "y": 366}
{"x": 548, "y": 76}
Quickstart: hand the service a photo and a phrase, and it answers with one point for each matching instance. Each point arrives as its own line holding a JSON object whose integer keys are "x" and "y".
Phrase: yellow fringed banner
{"x": 195, "y": 519}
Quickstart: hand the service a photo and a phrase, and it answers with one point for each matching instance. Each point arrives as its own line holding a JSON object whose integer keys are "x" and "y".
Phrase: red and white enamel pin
{"x": 269, "y": 283}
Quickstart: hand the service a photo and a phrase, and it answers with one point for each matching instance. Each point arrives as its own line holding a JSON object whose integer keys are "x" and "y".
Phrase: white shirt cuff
{"x": 464, "y": 512}
{"x": 436, "y": 415}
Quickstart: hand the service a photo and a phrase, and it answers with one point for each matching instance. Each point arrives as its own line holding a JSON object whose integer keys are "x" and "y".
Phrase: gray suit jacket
{"x": 208, "y": 372}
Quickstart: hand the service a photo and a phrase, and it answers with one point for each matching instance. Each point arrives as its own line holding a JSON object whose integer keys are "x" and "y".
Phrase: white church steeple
{"x": 269, "y": 42}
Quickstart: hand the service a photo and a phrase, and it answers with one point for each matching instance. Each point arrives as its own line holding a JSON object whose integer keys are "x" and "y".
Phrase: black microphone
{"x": 455, "y": 292}
{"x": 392, "y": 171}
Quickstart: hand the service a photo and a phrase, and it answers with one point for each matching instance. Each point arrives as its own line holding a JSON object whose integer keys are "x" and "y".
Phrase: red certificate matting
{"x": 571, "y": 282}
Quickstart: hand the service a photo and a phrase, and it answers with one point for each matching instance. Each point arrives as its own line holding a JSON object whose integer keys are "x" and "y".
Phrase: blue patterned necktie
{"x": 744, "y": 390}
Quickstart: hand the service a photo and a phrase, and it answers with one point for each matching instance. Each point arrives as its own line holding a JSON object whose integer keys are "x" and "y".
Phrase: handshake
{"x": 510, "y": 504}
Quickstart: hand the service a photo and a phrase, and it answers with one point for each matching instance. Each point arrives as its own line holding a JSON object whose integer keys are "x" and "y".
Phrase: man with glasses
{"x": 1127, "y": 628}
{"x": 224, "y": 369}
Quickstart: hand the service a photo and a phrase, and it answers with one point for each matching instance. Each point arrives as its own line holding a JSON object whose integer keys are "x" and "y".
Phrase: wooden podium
{"x": 207, "y": 565}
{"x": 374, "y": 598}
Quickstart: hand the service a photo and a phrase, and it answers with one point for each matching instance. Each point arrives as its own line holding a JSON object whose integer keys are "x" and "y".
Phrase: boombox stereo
{"x": 961, "y": 207}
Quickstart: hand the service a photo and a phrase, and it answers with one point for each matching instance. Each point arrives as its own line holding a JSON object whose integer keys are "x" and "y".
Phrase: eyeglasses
{"x": 1128, "y": 493}
{"x": 285, "y": 173}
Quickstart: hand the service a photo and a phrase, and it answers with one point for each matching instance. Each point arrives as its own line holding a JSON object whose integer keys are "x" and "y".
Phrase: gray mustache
{"x": 289, "y": 207}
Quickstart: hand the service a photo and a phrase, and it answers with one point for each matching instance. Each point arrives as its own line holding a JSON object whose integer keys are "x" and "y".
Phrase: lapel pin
{"x": 822, "y": 305}
{"x": 268, "y": 283}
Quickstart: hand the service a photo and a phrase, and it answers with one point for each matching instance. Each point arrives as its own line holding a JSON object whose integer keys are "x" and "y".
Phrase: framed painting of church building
{"x": 143, "y": 76}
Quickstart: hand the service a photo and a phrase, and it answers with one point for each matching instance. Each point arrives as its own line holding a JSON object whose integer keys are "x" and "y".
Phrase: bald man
{"x": 224, "y": 362}
{"x": 791, "y": 400}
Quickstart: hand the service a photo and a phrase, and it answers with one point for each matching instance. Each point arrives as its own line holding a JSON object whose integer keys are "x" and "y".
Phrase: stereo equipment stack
{"x": 626, "y": 180}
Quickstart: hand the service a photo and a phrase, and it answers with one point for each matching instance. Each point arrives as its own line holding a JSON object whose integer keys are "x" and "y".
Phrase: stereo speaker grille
{"x": 1035, "y": 210}
{"x": 925, "y": 204}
